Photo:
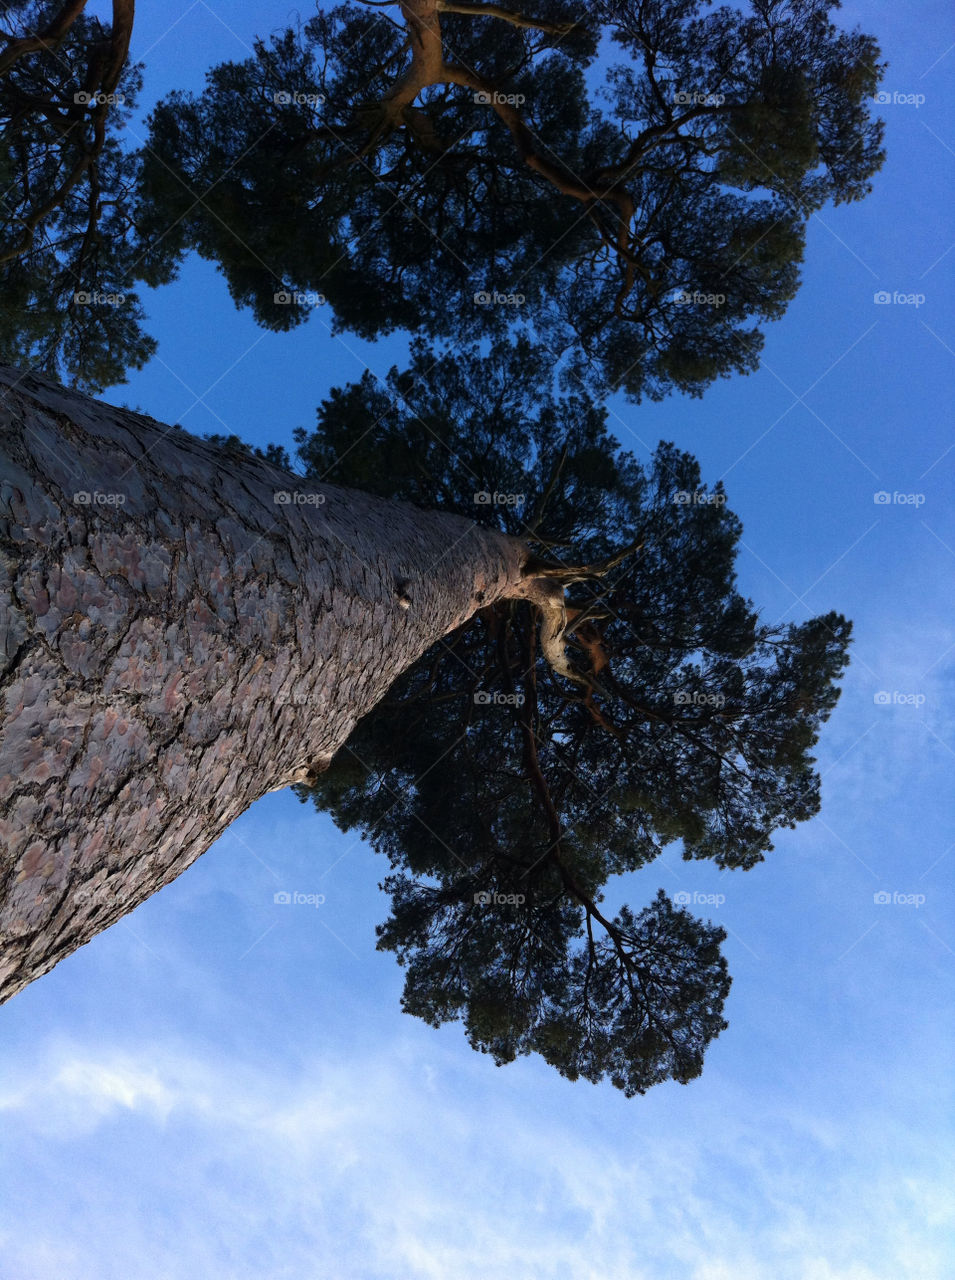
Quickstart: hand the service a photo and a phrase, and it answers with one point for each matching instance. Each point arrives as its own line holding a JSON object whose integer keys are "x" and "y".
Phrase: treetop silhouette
{"x": 632, "y": 180}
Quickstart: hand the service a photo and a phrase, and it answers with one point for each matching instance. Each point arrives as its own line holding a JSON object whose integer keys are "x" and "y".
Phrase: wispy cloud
{"x": 380, "y": 1168}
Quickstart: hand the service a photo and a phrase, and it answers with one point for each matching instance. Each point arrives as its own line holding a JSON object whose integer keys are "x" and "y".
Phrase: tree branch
{"x": 508, "y": 15}
{"x": 50, "y": 35}
{"x": 566, "y": 573}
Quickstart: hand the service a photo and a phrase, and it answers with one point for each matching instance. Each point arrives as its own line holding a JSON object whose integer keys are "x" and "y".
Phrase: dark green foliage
{"x": 348, "y": 166}
{"x": 638, "y": 1009}
{"x": 275, "y": 454}
{"x": 68, "y": 261}
{"x": 485, "y": 771}
{"x": 335, "y": 161}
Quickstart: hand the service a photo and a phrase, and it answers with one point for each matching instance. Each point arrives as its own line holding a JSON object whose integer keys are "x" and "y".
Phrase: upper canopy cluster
{"x": 620, "y": 190}
{"x": 631, "y": 180}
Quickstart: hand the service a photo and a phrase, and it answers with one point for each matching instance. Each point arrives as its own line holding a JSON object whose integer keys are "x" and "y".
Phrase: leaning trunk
{"x": 182, "y": 630}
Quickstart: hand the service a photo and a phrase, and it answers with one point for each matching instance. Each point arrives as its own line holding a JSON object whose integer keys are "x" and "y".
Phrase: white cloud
{"x": 420, "y": 1164}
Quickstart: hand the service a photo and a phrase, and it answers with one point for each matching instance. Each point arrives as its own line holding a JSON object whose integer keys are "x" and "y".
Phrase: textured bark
{"x": 167, "y": 659}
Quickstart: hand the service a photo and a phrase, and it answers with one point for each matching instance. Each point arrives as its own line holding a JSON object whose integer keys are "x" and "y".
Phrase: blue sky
{"x": 224, "y": 1087}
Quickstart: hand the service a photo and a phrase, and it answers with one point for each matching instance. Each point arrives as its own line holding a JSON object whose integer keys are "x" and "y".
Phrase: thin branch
{"x": 545, "y": 497}
{"x": 50, "y": 35}
{"x": 566, "y": 573}
{"x": 507, "y": 15}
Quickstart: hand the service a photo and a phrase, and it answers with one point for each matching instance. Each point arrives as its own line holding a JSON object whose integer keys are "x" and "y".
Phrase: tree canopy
{"x": 625, "y": 184}
{"x": 68, "y": 255}
{"x": 630, "y": 179}
{"x": 549, "y": 745}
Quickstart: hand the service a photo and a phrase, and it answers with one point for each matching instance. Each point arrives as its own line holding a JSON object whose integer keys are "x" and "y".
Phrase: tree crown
{"x": 68, "y": 255}
{"x": 447, "y": 167}
{"x": 631, "y": 702}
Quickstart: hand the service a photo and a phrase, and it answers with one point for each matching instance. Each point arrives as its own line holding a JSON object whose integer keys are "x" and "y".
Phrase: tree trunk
{"x": 176, "y": 640}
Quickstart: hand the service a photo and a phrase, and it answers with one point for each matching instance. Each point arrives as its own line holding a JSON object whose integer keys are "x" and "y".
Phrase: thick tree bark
{"x": 174, "y": 643}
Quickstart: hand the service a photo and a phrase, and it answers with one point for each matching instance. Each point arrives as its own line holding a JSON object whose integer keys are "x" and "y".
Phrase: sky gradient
{"x": 226, "y": 1087}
